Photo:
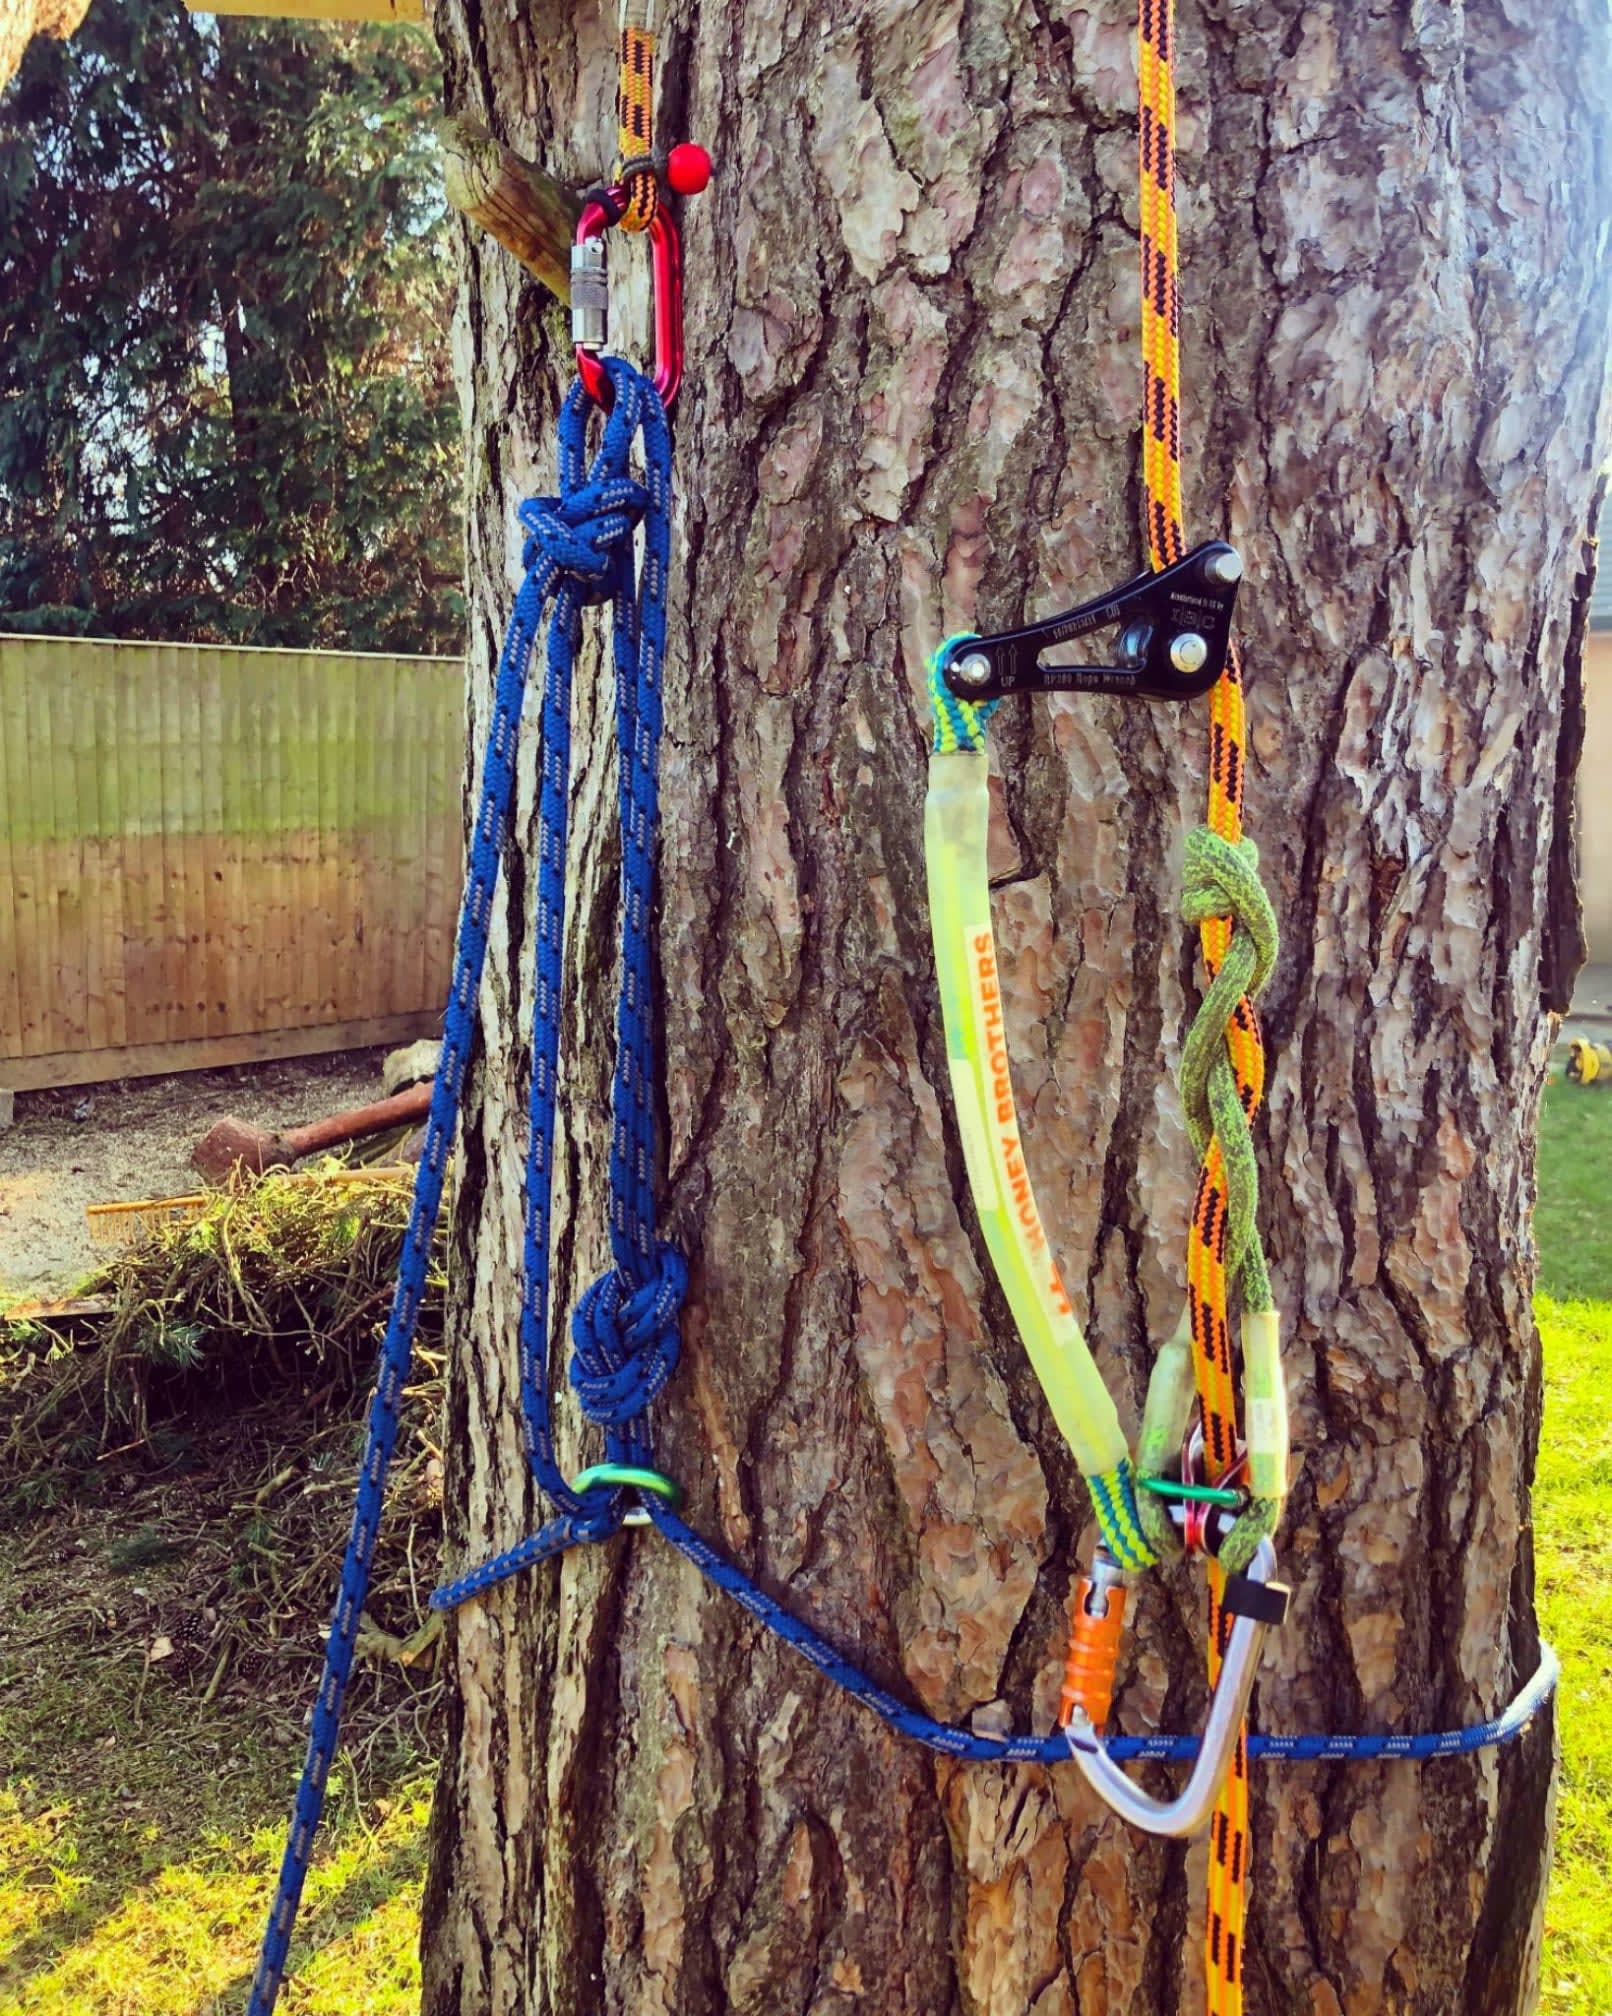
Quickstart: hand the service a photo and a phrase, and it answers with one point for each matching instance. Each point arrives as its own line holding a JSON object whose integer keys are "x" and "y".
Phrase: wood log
{"x": 528, "y": 212}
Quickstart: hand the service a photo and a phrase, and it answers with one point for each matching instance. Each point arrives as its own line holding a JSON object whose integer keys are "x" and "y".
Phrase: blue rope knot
{"x": 579, "y": 531}
{"x": 627, "y": 1339}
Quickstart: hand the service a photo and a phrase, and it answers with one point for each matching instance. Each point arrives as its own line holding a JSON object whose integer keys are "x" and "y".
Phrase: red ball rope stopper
{"x": 688, "y": 168}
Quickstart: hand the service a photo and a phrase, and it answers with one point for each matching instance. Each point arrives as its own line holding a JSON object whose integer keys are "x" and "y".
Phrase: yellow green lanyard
{"x": 956, "y": 814}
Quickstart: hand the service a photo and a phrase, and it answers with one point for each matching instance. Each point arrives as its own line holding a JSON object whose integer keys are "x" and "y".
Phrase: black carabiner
{"x": 1176, "y": 637}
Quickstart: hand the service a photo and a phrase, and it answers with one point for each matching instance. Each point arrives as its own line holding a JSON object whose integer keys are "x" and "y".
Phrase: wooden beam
{"x": 63, "y": 1309}
{"x": 202, "y": 1053}
{"x": 316, "y": 10}
{"x": 528, "y": 212}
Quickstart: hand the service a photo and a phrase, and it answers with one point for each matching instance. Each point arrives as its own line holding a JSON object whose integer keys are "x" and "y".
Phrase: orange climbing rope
{"x": 635, "y": 114}
{"x": 1206, "y": 1270}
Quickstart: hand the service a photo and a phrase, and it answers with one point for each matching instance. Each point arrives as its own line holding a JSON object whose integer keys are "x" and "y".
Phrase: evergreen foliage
{"x": 226, "y": 408}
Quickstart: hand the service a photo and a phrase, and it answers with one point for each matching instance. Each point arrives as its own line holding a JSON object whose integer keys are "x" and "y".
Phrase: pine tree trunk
{"x": 911, "y": 409}
{"x": 22, "y": 20}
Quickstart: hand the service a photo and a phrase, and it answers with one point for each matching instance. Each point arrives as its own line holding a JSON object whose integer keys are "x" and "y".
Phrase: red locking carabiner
{"x": 689, "y": 170}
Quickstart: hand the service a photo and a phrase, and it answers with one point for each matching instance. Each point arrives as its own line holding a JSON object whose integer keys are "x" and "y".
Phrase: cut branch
{"x": 528, "y": 212}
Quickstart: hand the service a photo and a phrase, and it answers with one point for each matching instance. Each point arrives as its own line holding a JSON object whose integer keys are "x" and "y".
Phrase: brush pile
{"x": 207, "y": 1427}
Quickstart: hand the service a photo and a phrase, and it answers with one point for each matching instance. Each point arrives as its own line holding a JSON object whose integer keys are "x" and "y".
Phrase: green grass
{"x": 1573, "y": 1223}
{"x": 138, "y": 1857}
{"x": 1573, "y": 1554}
{"x": 139, "y": 1844}
{"x": 1573, "y": 1530}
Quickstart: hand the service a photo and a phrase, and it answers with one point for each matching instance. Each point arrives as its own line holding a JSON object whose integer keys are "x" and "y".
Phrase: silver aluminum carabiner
{"x": 1256, "y": 1601}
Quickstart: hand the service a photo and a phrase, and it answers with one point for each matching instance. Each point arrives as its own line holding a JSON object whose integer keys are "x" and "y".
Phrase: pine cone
{"x": 182, "y": 1644}
{"x": 251, "y": 1663}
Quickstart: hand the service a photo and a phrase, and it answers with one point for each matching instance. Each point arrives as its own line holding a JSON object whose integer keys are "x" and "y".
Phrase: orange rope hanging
{"x": 635, "y": 114}
{"x": 1206, "y": 1270}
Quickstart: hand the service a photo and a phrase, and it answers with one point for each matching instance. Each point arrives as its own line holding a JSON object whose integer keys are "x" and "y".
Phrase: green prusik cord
{"x": 1220, "y": 878}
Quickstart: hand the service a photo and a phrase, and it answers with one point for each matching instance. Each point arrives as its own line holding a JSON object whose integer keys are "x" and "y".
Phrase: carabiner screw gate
{"x": 1095, "y": 1633}
{"x": 590, "y": 294}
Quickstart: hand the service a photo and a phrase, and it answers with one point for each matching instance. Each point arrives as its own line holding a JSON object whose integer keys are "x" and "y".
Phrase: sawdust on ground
{"x": 99, "y": 1144}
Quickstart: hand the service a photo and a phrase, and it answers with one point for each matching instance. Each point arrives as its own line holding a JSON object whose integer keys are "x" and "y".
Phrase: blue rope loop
{"x": 625, "y": 1331}
{"x": 578, "y": 553}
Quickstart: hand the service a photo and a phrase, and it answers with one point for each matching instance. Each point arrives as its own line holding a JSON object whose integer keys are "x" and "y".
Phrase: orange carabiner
{"x": 1095, "y": 1633}
{"x": 1253, "y": 1601}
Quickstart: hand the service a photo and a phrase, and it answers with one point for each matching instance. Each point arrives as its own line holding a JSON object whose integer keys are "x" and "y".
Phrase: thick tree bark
{"x": 22, "y": 20}
{"x": 911, "y": 408}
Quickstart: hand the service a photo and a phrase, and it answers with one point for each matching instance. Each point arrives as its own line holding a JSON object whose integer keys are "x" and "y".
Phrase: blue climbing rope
{"x": 579, "y": 552}
{"x": 979, "y": 1747}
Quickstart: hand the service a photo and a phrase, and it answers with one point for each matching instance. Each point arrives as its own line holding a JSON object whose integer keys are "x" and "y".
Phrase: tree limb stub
{"x": 528, "y": 212}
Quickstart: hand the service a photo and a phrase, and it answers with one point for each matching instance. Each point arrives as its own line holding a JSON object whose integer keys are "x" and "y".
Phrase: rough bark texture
{"x": 910, "y": 409}
{"x": 22, "y": 20}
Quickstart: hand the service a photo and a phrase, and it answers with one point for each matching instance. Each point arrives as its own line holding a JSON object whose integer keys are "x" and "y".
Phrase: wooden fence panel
{"x": 213, "y": 854}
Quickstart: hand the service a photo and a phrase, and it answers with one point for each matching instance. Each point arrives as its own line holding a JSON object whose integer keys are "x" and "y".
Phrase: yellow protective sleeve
{"x": 1266, "y": 1403}
{"x": 956, "y": 817}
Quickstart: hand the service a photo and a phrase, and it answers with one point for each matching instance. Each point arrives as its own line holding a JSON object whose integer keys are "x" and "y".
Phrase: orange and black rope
{"x": 1206, "y": 1268}
{"x": 635, "y": 117}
